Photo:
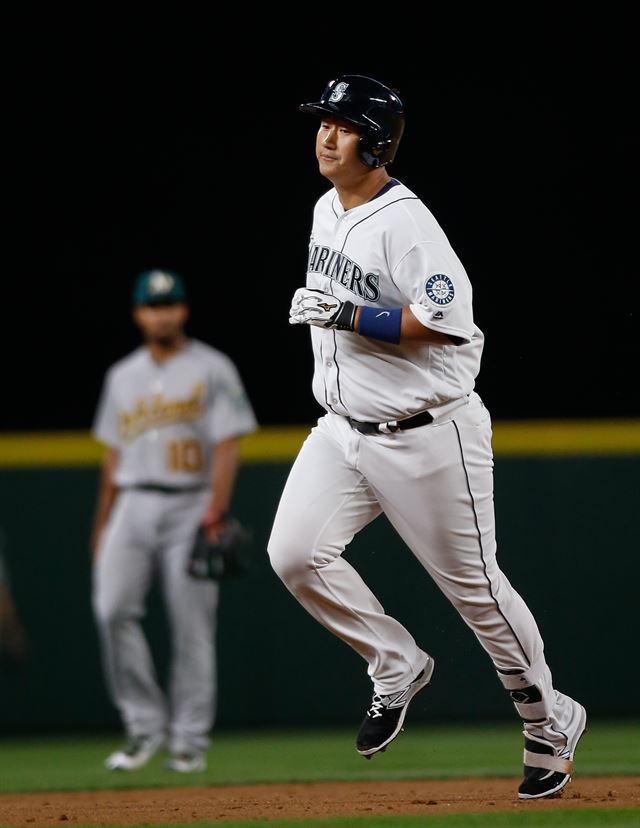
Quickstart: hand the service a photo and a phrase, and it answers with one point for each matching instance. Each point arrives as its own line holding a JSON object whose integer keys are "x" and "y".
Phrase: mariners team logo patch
{"x": 338, "y": 92}
{"x": 439, "y": 289}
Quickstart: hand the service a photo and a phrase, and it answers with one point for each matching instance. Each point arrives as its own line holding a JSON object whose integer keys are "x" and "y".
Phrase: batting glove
{"x": 315, "y": 307}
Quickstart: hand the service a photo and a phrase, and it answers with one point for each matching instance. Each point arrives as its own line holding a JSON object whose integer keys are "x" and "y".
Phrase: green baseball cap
{"x": 153, "y": 287}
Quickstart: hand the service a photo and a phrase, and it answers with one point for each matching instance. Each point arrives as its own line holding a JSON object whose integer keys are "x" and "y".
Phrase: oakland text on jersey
{"x": 342, "y": 269}
{"x": 158, "y": 411}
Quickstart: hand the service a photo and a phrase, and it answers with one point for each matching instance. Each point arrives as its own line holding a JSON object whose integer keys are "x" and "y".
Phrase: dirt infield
{"x": 295, "y": 801}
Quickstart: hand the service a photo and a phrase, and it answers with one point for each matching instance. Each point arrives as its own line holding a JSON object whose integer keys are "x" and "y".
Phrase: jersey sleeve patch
{"x": 439, "y": 289}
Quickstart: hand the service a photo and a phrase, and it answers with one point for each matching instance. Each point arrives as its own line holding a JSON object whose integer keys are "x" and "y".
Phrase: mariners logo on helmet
{"x": 439, "y": 289}
{"x": 160, "y": 282}
{"x": 338, "y": 92}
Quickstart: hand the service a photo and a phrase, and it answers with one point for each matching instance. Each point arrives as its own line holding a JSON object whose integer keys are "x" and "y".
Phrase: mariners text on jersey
{"x": 343, "y": 270}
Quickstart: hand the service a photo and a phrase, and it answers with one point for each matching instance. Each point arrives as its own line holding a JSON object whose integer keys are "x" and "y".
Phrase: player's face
{"x": 161, "y": 323}
{"x": 337, "y": 150}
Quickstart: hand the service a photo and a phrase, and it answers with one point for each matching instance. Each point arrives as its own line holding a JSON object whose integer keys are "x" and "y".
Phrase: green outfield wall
{"x": 567, "y": 507}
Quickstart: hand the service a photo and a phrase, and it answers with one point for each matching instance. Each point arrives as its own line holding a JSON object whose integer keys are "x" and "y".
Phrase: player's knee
{"x": 109, "y": 611}
{"x": 105, "y": 614}
{"x": 288, "y": 558}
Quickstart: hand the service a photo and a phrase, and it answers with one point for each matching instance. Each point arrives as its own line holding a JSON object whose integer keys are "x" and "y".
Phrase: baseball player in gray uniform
{"x": 170, "y": 414}
{"x": 396, "y": 354}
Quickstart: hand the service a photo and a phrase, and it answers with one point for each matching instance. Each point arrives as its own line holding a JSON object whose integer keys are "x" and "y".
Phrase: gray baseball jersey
{"x": 164, "y": 417}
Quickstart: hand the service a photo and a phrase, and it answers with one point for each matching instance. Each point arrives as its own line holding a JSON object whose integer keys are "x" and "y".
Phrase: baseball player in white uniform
{"x": 396, "y": 354}
{"x": 170, "y": 414}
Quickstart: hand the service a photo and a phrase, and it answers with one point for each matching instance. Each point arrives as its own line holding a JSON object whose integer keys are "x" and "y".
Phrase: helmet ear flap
{"x": 374, "y": 151}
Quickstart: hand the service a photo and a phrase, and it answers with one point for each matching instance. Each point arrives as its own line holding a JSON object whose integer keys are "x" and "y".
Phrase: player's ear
{"x": 136, "y": 315}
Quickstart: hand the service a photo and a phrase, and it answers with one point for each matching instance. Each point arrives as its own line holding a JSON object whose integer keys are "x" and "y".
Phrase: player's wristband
{"x": 381, "y": 323}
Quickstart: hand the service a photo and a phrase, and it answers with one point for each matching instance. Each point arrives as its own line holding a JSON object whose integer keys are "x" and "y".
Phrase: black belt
{"x": 158, "y": 487}
{"x": 423, "y": 418}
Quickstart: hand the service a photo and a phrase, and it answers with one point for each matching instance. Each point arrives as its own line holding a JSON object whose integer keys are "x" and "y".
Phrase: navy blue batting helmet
{"x": 375, "y": 109}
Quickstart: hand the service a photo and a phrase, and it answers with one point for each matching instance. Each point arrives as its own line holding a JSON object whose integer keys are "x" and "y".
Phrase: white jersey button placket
{"x": 331, "y": 381}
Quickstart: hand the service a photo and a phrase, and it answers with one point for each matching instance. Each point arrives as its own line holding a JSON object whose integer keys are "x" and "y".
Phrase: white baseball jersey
{"x": 390, "y": 252}
{"x": 164, "y": 417}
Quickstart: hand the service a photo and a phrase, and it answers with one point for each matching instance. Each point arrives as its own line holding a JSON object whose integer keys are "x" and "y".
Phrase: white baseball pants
{"x": 435, "y": 485}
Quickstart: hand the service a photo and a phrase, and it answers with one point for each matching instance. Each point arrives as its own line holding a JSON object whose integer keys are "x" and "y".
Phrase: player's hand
{"x": 213, "y": 523}
{"x": 315, "y": 307}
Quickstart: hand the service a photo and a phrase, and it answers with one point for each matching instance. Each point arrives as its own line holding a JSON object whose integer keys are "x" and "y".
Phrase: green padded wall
{"x": 568, "y": 540}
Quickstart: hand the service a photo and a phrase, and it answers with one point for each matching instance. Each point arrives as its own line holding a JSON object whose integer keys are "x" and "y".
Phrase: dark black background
{"x": 173, "y": 139}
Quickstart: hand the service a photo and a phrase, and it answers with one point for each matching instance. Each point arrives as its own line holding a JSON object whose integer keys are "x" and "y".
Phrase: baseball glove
{"x": 224, "y": 557}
